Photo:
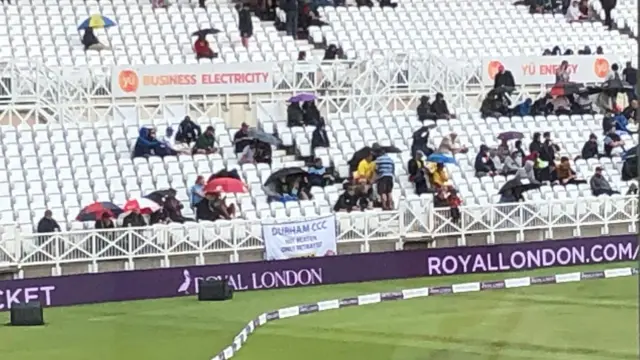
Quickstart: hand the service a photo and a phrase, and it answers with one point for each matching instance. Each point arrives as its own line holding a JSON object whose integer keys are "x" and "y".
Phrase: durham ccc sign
{"x": 537, "y": 70}
{"x": 192, "y": 79}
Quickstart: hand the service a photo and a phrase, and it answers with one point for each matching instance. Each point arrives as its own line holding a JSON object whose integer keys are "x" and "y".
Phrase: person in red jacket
{"x": 202, "y": 49}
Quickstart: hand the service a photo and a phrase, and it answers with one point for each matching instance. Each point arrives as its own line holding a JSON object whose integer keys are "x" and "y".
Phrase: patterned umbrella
{"x": 144, "y": 205}
{"x": 96, "y": 22}
{"x": 94, "y": 211}
{"x": 226, "y": 185}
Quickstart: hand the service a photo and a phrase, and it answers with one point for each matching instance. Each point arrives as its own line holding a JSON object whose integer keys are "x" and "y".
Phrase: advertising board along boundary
{"x": 182, "y": 281}
{"x": 405, "y": 294}
{"x": 535, "y": 70}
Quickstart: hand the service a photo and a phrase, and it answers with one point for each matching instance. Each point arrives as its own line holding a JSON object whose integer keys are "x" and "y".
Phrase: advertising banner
{"x": 536, "y": 70}
{"x": 170, "y": 282}
{"x": 191, "y": 79}
{"x": 309, "y": 238}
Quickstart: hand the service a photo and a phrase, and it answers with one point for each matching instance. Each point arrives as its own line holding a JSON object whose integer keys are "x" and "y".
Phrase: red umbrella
{"x": 144, "y": 205}
{"x": 226, "y": 185}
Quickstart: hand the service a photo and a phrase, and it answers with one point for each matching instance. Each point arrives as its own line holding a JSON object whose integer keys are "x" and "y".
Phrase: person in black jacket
{"x": 439, "y": 107}
{"x": 188, "y": 131}
{"x": 104, "y": 222}
{"x": 536, "y": 144}
{"x": 608, "y": 6}
{"x": 483, "y": 164}
{"x": 311, "y": 114}
{"x": 590, "y": 148}
{"x": 134, "y": 219}
{"x": 319, "y": 138}
{"x": 245, "y": 24}
{"x": 47, "y": 224}
{"x": 549, "y": 148}
{"x": 424, "y": 109}
{"x": 295, "y": 115}
{"x": 503, "y": 78}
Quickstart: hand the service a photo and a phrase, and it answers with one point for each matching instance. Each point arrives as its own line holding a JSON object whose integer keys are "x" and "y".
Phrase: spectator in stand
{"x": 47, "y": 224}
{"x": 206, "y": 142}
{"x": 159, "y": 217}
{"x": 454, "y": 202}
{"x": 197, "y": 192}
{"x": 549, "y": 148}
{"x": 450, "y": 145}
{"x": 438, "y": 174}
{"x": 612, "y": 141}
{"x": 630, "y": 75}
{"x": 608, "y": 6}
{"x": 424, "y": 109}
{"x": 245, "y": 24}
{"x": 134, "y": 219}
{"x": 599, "y": 50}
{"x": 600, "y": 185}
{"x": 511, "y": 164}
{"x": 518, "y": 149}
{"x": 240, "y": 137}
{"x": 584, "y": 9}
{"x": 248, "y": 154}
{"x": 614, "y": 73}
{"x": 319, "y": 137}
{"x": 562, "y": 74}
{"x": 160, "y": 4}
{"x": 311, "y": 114}
{"x": 91, "y": 42}
{"x": 630, "y": 111}
{"x": 417, "y": 172}
{"x": 574, "y": 13}
{"x": 565, "y": 173}
{"x": 440, "y": 109}
{"x": 202, "y": 49}
{"x": 331, "y": 53}
{"x": 483, "y": 164}
{"x": 527, "y": 172}
{"x": 385, "y": 173}
{"x": 104, "y": 222}
{"x": 173, "y": 208}
{"x": 147, "y": 144}
{"x": 290, "y": 8}
{"x": 302, "y": 56}
{"x": 590, "y": 148}
{"x": 201, "y": 4}
{"x": 188, "y": 131}
{"x": 503, "y": 78}
{"x": 318, "y": 175}
{"x": 295, "y": 115}
{"x": 366, "y": 169}
{"x": 347, "y": 201}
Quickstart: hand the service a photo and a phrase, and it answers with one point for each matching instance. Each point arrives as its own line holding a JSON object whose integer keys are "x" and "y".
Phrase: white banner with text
{"x": 536, "y": 70}
{"x": 192, "y": 79}
{"x": 308, "y": 238}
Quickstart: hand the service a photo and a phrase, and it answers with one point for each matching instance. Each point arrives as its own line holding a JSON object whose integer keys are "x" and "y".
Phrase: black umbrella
{"x": 357, "y": 157}
{"x": 159, "y": 196}
{"x": 205, "y": 32}
{"x": 566, "y": 89}
{"x": 516, "y": 185}
{"x": 511, "y": 135}
{"x": 616, "y": 85}
{"x": 264, "y": 137}
{"x": 390, "y": 149}
{"x": 284, "y": 173}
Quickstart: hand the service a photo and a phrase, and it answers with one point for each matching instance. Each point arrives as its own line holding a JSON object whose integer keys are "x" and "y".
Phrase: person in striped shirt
{"x": 385, "y": 170}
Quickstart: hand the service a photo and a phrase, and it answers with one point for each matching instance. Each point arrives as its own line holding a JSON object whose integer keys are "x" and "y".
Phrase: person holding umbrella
{"x": 202, "y": 48}
{"x": 245, "y": 25}
{"x": 89, "y": 39}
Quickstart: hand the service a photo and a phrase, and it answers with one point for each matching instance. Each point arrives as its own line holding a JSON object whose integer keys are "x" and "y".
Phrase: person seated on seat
{"x": 299, "y": 190}
{"x": 388, "y": 3}
{"x": 240, "y": 138}
{"x": 612, "y": 141}
{"x": 224, "y": 173}
{"x": 331, "y": 53}
{"x": 630, "y": 111}
{"x": 319, "y": 137}
{"x": 599, "y": 184}
{"x": 347, "y": 201}
{"x": 295, "y": 115}
{"x": 418, "y": 173}
{"x": 159, "y": 217}
{"x": 160, "y": 4}
{"x": 147, "y": 144}
{"x": 91, "y": 42}
{"x": 204, "y": 208}
{"x": 220, "y": 207}
{"x": 511, "y": 164}
{"x": 262, "y": 153}
{"x": 438, "y": 174}
{"x": 440, "y": 109}
{"x": 366, "y": 169}
{"x": 590, "y": 148}
{"x": 318, "y": 175}
{"x": 424, "y": 109}
{"x": 450, "y": 145}
{"x": 574, "y": 13}
{"x": 134, "y": 219}
{"x": 202, "y": 49}
{"x": 188, "y": 131}
{"x": 169, "y": 146}
{"x": 104, "y": 222}
{"x": 483, "y": 164}
{"x": 206, "y": 142}
{"x": 565, "y": 174}
{"x": 311, "y": 115}
{"x": 248, "y": 154}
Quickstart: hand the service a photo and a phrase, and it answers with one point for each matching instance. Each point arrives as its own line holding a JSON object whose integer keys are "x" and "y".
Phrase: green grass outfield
{"x": 588, "y": 320}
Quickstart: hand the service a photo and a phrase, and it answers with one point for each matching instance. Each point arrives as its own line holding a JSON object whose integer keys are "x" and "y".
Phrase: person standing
{"x": 608, "y": 6}
{"x": 385, "y": 170}
{"x": 290, "y": 8}
{"x": 245, "y": 25}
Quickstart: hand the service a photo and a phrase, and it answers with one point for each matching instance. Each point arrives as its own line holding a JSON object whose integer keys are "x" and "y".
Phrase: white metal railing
{"x": 412, "y": 220}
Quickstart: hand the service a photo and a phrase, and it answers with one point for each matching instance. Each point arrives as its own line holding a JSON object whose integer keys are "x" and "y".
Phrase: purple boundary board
{"x": 171, "y": 282}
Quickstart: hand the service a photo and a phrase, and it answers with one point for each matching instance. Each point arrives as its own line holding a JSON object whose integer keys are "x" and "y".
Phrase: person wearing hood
{"x": 504, "y": 78}
{"x": 424, "y": 110}
{"x": 483, "y": 163}
{"x": 417, "y": 173}
{"x": 420, "y": 141}
{"x": 147, "y": 144}
{"x": 91, "y": 42}
{"x": 599, "y": 184}
{"x": 527, "y": 172}
{"x": 590, "y": 148}
{"x": 319, "y": 137}
{"x": 206, "y": 143}
{"x": 188, "y": 131}
{"x": 524, "y": 109}
{"x": 295, "y": 115}
{"x": 245, "y": 24}
{"x": 511, "y": 164}
{"x": 439, "y": 107}
{"x": 311, "y": 115}
{"x": 536, "y": 144}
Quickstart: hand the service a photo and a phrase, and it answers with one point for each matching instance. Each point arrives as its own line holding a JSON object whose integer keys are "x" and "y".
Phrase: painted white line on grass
{"x": 405, "y": 294}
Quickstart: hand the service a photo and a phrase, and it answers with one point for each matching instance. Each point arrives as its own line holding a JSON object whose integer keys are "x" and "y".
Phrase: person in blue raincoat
{"x": 147, "y": 144}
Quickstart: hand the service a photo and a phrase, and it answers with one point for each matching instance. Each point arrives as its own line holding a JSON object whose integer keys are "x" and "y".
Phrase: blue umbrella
{"x": 441, "y": 159}
{"x": 95, "y": 22}
{"x": 264, "y": 137}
